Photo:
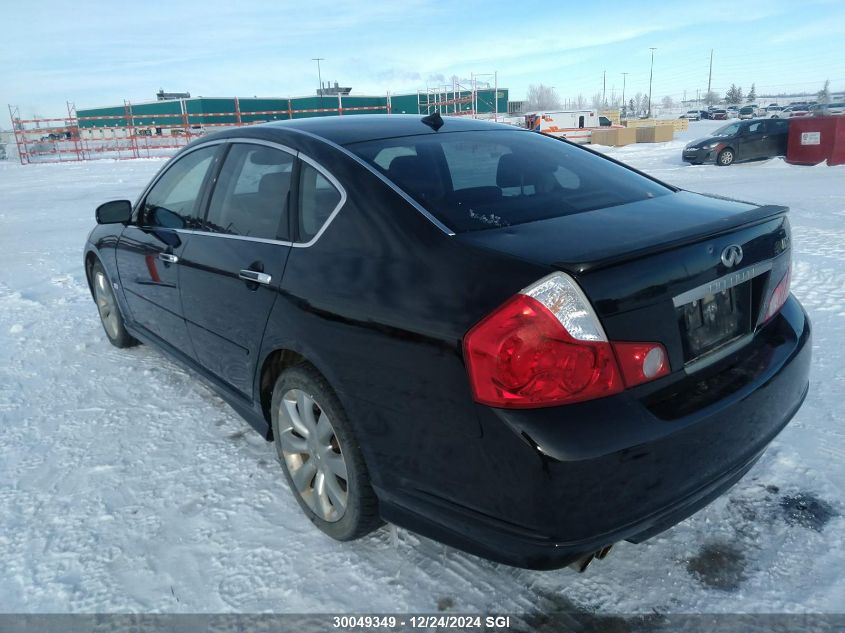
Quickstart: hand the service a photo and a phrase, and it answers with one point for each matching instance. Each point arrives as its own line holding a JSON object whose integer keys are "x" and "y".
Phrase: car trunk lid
{"x": 654, "y": 270}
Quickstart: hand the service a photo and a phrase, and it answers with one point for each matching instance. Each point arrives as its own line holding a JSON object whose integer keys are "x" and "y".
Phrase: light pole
{"x": 319, "y": 77}
{"x": 650, "y": 75}
{"x": 624, "y": 104}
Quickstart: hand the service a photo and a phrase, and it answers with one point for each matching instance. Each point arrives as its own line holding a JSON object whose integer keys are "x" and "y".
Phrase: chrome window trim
{"x": 381, "y": 177}
{"x": 229, "y": 236}
{"x": 274, "y": 145}
{"x": 334, "y": 181}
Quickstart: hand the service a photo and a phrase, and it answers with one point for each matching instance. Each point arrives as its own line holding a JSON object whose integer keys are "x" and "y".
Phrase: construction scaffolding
{"x": 472, "y": 99}
{"x": 134, "y": 132}
{"x": 158, "y": 128}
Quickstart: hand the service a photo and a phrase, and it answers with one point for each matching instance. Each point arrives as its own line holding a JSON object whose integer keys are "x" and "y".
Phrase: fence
{"x": 137, "y": 133}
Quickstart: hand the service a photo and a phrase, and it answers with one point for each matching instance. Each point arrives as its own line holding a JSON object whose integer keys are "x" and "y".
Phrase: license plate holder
{"x": 715, "y": 319}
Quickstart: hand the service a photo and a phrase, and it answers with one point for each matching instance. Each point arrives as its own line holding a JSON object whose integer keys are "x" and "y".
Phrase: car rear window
{"x": 490, "y": 179}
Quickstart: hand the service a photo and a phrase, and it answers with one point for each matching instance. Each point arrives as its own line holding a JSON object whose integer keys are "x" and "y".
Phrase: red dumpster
{"x": 816, "y": 139}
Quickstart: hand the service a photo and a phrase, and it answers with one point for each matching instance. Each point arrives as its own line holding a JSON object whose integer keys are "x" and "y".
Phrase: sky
{"x": 95, "y": 53}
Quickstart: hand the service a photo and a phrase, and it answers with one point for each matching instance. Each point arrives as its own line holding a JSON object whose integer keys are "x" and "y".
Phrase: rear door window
{"x": 252, "y": 195}
{"x": 487, "y": 179}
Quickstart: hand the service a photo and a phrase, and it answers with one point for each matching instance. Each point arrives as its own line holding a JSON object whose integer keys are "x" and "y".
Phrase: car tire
{"x": 108, "y": 307}
{"x": 316, "y": 447}
{"x": 726, "y": 157}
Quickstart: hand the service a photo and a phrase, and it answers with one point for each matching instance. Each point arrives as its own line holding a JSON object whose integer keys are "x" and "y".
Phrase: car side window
{"x": 318, "y": 198}
{"x": 778, "y": 126}
{"x": 755, "y": 128}
{"x": 252, "y": 195}
{"x": 173, "y": 200}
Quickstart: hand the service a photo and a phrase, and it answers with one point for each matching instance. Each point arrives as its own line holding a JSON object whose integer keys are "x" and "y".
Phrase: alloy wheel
{"x": 106, "y": 304}
{"x": 313, "y": 456}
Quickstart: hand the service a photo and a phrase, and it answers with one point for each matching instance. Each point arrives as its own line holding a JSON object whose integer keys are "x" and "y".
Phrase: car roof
{"x": 344, "y": 130}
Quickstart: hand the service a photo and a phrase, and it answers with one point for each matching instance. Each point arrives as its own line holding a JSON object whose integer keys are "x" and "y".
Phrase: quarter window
{"x": 318, "y": 198}
{"x": 173, "y": 200}
{"x": 252, "y": 196}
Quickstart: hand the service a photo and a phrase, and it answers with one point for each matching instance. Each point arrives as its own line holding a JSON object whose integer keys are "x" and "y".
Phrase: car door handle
{"x": 255, "y": 277}
{"x": 168, "y": 258}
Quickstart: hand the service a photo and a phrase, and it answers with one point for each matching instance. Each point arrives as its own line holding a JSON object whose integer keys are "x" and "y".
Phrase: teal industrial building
{"x": 206, "y": 112}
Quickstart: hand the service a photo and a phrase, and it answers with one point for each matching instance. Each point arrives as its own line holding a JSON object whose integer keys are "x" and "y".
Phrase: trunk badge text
{"x": 732, "y": 255}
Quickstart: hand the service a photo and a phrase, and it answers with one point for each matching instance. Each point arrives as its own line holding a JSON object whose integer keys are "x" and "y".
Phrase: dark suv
{"x": 742, "y": 140}
{"x": 492, "y": 337}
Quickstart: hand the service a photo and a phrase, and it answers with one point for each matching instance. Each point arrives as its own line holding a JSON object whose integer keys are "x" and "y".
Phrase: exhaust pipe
{"x": 582, "y": 563}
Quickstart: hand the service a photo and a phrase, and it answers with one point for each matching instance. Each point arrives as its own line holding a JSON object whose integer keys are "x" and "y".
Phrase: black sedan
{"x": 746, "y": 140}
{"x": 492, "y": 337}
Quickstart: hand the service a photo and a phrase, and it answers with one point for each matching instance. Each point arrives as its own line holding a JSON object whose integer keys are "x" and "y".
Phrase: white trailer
{"x": 573, "y": 125}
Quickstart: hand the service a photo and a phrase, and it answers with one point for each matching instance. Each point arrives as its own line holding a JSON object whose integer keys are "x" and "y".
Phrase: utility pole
{"x": 319, "y": 76}
{"x": 624, "y": 103}
{"x": 650, "y": 75}
{"x": 710, "y": 76}
{"x": 603, "y": 87}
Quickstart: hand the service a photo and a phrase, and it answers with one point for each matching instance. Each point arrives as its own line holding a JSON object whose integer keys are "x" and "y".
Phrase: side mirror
{"x": 114, "y": 212}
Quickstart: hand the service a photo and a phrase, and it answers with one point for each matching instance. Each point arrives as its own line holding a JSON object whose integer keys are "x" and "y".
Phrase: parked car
{"x": 2, "y": 152}
{"x": 773, "y": 111}
{"x": 746, "y": 140}
{"x": 692, "y": 115}
{"x": 797, "y": 110}
{"x": 733, "y": 111}
{"x": 492, "y": 337}
{"x": 747, "y": 112}
{"x": 821, "y": 109}
{"x": 719, "y": 114}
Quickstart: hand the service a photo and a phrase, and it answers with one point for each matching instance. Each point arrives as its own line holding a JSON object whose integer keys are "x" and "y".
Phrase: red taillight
{"x": 521, "y": 356}
{"x": 779, "y": 296}
{"x": 641, "y": 362}
{"x": 545, "y": 346}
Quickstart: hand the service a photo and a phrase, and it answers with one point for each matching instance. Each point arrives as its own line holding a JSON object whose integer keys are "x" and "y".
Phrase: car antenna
{"x": 434, "y": 121}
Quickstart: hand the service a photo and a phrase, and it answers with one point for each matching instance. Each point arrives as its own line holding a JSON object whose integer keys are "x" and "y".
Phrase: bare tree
{"x": 711, "y": 98}
{"x": 542, "y": 97}
{"x": 638, "y": 100}
{"x": 667, "y": 102}
{"x": 580, "y": 102}
{"x": 596, "y": 101}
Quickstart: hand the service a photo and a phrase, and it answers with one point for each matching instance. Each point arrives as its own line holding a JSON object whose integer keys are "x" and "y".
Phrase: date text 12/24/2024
{"x": 489, "y": 622}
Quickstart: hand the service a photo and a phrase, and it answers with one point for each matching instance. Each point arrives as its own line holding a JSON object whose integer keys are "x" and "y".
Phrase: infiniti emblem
{"x": 732, "y": 255}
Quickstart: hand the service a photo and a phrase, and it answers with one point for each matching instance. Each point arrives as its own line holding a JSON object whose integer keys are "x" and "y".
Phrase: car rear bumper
{"x": 558, "y": 484}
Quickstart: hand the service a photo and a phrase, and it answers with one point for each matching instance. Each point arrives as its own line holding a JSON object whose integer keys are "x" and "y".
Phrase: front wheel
{"x": 109, "y": 310}
{"x": 320, "y": 456}
{"x": 725, "y": 157}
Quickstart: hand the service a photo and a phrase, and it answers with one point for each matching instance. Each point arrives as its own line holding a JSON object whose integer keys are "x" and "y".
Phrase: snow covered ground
{"x": 127, "y": 485}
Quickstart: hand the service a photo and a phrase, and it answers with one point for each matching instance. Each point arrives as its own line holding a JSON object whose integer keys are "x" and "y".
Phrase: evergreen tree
{"x": 824, "y": 94}
{"x": 752, "y": 94}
